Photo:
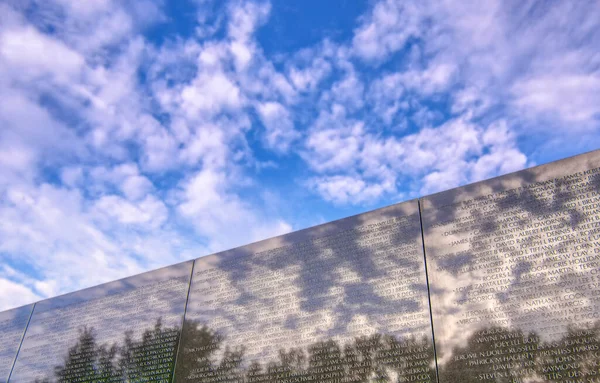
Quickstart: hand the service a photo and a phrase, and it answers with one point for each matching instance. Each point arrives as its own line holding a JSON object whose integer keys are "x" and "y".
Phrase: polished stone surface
{"x": 12, "y": 327}
{"x": 514, "y": 275}
{"x": 341, "y": 302}
{"x": 122, "y": 331}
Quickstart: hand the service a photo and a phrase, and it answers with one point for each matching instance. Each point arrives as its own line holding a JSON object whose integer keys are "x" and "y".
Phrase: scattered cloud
{"x": 217, "y": 213}
{"x": 386, "y": 29}
{"x": 278, "y": 122}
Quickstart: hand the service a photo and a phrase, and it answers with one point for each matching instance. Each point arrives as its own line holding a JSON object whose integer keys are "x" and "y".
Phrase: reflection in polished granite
{"x": 211, "y": 357}
{"x": 513, "y": 265}
{"x": 122, "y": 331}
{"x": 12, "y": 327}
{"x": 341, "y": 302}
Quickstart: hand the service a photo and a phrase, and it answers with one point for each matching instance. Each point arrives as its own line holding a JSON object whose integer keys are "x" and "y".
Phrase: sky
{"x": 138, "y": 134}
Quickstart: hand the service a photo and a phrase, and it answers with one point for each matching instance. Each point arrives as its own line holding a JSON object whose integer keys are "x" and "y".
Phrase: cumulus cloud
{"x": 362, "y": 166}
{"x": 125, "y": 177}
{"x": 344, "y": 189}
{"x": 22, "y": 47}
{"x": 385, "y": 95}
{"x": 212, "y": 93}
{"x": 460, "y": 152}
{"x": 15, "y": 294}
{"x": 308, "y": 76}
{"x": 334, "y": 141}
{"x": 529, "y": 57}
{"x": 279, "y": 125}
{"x": 548, "y": 95}
{"x": 386, "y": 29}
{"x": 91, "y": 171}
{"x": 219, "y": 214}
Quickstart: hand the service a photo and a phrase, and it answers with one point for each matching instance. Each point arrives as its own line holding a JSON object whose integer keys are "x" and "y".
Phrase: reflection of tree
{"x": 86, "y": 361}
{"x": 498, "y": 354}
{"x": 197, "y": 361}
{"x": 205, "y": 356}
{"x": 150, "y": 358}
{"x": 493, "y": 354}
{"x": 575, "y": 356}
{"x": 376, "y": 358}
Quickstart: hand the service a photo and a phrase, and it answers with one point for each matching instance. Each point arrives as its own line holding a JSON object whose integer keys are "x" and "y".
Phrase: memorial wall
{"x": 122, "y": 331}
{"x": 341, "y": 302}
{"x": 513, "y": 265}
{"x": 12, "y": 327}
{"x": 498, "y": 281}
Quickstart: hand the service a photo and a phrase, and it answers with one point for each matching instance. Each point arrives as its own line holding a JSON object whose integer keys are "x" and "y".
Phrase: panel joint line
{"x": 437, "y": 374}
{"x": 187, "y": 299}
{"x": 20, "y": 344}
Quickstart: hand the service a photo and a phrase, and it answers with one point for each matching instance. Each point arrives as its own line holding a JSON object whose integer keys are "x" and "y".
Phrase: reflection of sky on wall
{"x": 12, "y": 327}
{"x": 530, "y": 280}
{"x": 130, "y": 304}
{"x": 356, "y": 276}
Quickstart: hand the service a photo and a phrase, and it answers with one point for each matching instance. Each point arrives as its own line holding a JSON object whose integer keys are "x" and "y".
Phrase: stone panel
{"x": 122, "y": 331}
{"x": 12, "y": 328}
{"x": 514, "y": 273}
{"x": 341, "y": 302}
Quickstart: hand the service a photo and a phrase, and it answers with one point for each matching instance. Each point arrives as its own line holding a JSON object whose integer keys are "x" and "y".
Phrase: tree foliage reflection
{"x": 493, "y": 354}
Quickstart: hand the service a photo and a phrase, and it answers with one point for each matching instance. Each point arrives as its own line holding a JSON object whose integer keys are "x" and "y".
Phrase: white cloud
{"x": 344, "y": 189}
{"x": 471, "y": 101}
{"x": 245, "y": 18}
{"x": 348, "y": 92}
{"x": 72, "y": 175}
{"x": 160, "y": 148}
{"x": 16, "y": 161}
{"x": 212, "y": 93}
{"x": 385, "y": 95}
{"x": 46, "y": 228}
{"x": 435, "y": 78}
{"x": 149, "y": 212}
{"x": 94, "y": 26}
{"x": 15, "y": 294}
{"x": 125, "y": 177}
{"x": 280, "y": 127}
{"x": 360, "y": 166}
{"x": 72, "y": 242}
{"x": 22, "y": 47}
{"x": 386, "y": 29}
{"x": 398, "y": 92}
{"x": 533, "y": 60}
{"x": 334, "y": 141}
{"x": 220, "y": 215}
{"x": 102, "y": 218}
{"x": 572, "y": 98}
{"x": 309, "y": 77}
{"x": 136, "y": 186}
{"x": 460, "y": 152}
{"x": 29, "y": 135}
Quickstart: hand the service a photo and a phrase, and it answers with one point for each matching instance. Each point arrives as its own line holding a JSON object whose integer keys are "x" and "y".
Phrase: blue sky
{"x": 138, "y": 134}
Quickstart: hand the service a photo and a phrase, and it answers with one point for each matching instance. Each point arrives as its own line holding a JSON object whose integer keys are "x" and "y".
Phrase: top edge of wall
{"x": 513, "y": 180}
